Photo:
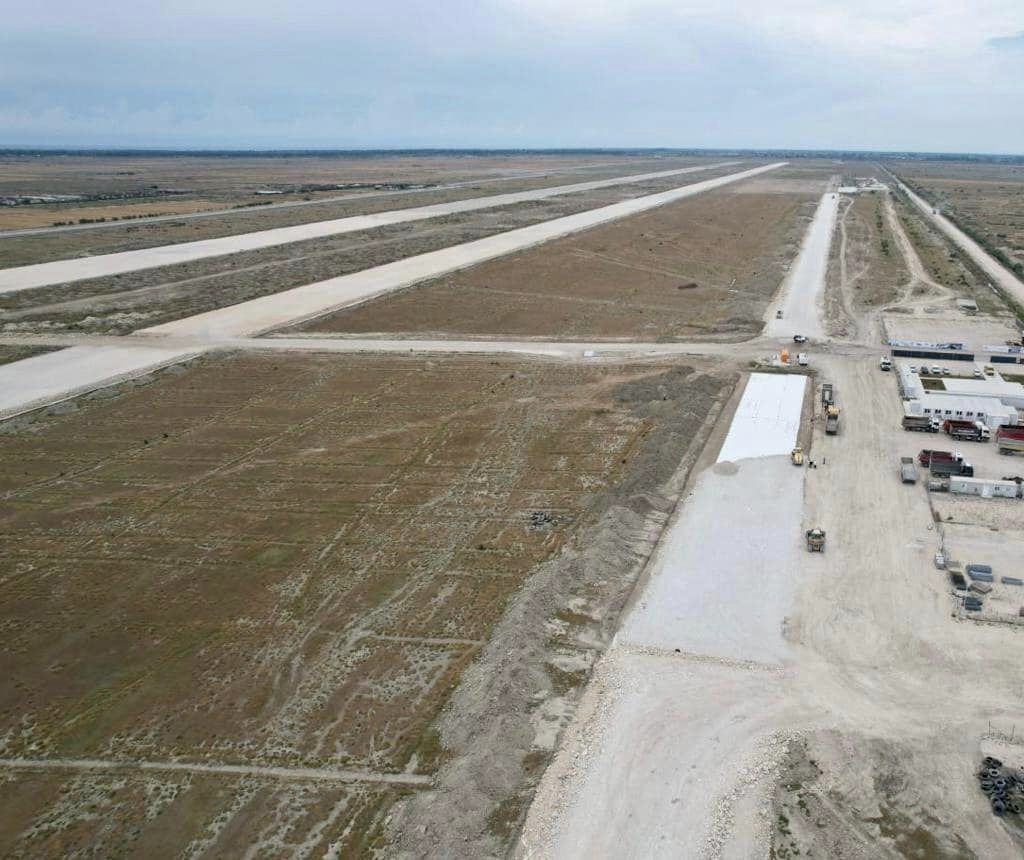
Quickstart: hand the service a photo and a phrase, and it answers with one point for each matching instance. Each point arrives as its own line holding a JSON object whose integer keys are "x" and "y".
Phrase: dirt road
{"x": 64, "y": 271}
{"x": 999, "y": 274}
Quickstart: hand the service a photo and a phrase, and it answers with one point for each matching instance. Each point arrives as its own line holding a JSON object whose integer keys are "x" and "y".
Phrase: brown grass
{"x": 704, "y": 266}
{"x": 276, "y": 560}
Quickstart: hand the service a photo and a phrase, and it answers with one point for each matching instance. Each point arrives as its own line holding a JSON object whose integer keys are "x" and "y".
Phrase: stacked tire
{"x": 1003, "y": 787}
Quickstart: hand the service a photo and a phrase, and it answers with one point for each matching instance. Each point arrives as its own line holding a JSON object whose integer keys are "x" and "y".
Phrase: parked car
{"x": 977, "y": 373}
{"x": 912, "y": 368}
{"x": 935, "y": 370}
{"x": 799, "y": 338}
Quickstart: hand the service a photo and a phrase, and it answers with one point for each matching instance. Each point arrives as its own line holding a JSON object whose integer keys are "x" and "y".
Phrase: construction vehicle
{"x": 832, "y": 420}
{"x": 815, "y": 540}
{"x": 1010, "y": 440}
{"x": 885, "y": 363}
{"x": 801, "y": 359}
{"x": 921, "y": 423}
{"x": 967, "y": 431}
{"x": 797, "y": 456}
{"x": 908, "y": 471}
{"x": 926, "y": 456}
{"x": 826, "y": 394}
{"x": 948, "y": 468}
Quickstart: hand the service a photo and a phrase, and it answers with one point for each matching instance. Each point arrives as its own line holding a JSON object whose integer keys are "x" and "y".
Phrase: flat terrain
{"x": 236, "y": 179}
{"x": 237, "y": 598}
{"x": 125, "y": 302}
{"x": 701, "y": 267}
{"x": 986, "y": 199}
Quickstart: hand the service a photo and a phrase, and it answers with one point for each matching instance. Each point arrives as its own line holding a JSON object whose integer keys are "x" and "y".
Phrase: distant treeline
{"x": 845, "y": 155}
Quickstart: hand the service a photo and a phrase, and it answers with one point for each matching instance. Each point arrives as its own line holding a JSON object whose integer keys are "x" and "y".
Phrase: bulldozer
{"x": 815, "y": 540}
{"x": 797, "y": 456}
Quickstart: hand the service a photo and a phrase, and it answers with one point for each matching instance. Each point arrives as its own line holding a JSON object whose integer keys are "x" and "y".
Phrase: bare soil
{"x": 703, "y": 267}
{"x": 290, "y": 561}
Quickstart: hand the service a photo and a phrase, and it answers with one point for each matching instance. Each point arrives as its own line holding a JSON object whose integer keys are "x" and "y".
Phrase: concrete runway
{"x": 293, "y": 306}
{"x": 297, "y": 204}
{"x": 48, "y": 378}
{"x": 102, "y": 265}
{"x": 803, "y": 289}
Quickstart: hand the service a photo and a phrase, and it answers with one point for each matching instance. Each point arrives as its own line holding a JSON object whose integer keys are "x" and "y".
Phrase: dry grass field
{"x": 123, "y": 303}
{"x": 705, "y": 266}
{"x": 988, "y": 199}
{"x": 278, "y": 562}
{"x": 229, "y": 183}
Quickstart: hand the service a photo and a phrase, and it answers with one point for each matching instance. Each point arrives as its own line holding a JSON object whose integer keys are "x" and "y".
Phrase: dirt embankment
{"x": 504, "y": 721}
{"x": 703, "y": 267}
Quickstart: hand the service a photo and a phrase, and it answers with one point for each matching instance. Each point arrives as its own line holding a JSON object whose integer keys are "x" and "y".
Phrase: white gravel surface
{"x": 767, "y": 419}
{"x": 803, "y": 289}
{"x": 725, "y": 574}
{"x": 683, "y": 716}
{"x": 65, "y": 271}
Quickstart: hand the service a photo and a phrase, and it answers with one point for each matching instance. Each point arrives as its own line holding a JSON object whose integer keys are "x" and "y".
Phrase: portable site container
{"x": 984, "y": 487}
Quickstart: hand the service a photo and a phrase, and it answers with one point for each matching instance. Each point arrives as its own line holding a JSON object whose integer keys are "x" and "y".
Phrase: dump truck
{"x": 966, "y": 431}
{"x": 926, "y": 456}
{"x": 832, "y": 420}
{"x": 1010, "y": 445}
{"x": 797, "y": 456}
{"x": 815, "y": 540}
{"x": 826, "y": 394}
{"x": 1010, "y": 440}
{"x": 948, "y": 468}
{"x": 908, "y": 471}
{"x": 921, "y": 423}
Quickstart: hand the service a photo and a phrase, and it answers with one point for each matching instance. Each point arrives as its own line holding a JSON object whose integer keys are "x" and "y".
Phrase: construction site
{"x": 533, "y": 506}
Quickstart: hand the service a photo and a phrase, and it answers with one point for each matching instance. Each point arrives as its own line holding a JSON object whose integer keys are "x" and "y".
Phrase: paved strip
{"x": 802, "y": 292}
{"x": 289, "y": 773}
{"x": 302, "y": 303}
{"x": 1000, "y": 275}
{"x": 66, "y": 271}
{"x": 55, "y": 376}
{"x": 295, "y": 204}
{"x": 34, "y": 382}
{"x": 767, "y": 420}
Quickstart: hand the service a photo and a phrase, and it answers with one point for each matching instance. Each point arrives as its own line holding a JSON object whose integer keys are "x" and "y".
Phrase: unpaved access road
{"x": 999, "y": 274}
{"x": 691, "y": 684}
{"x": 801, "y": 297}
{"x": 65, "y": 271}
{"x": 676, "y": 754}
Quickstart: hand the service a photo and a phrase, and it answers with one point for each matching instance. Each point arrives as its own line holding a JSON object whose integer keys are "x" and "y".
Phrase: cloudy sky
{"x": 935, "y": 75}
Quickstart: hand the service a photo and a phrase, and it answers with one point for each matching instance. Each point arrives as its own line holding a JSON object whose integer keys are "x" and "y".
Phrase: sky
{"x": 937, "y": 76}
